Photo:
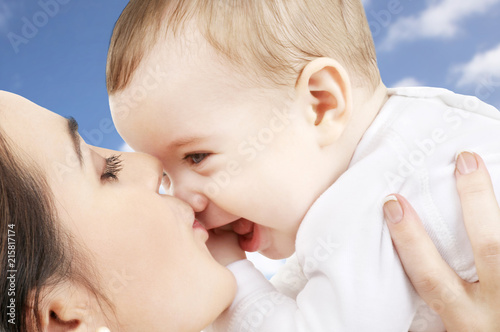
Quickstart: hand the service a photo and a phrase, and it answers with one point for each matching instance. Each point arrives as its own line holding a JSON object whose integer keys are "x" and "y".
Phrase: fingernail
{"x": 392, "y": 209}
{"x": 466, "y": 162}
{"x": 103, "y": 329}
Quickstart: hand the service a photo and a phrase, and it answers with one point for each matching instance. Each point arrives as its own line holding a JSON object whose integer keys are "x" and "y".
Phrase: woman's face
{"x": 151, "y": 254}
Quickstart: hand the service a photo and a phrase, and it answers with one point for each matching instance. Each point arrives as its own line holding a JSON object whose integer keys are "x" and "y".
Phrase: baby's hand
{"x": 223, "y": 245}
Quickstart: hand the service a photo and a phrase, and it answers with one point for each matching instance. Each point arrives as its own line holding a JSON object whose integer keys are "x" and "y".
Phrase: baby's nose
{"x": 197, "y": 201}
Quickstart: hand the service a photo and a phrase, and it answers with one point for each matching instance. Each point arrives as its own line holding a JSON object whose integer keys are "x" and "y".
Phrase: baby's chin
{"x": 275, "y": 247}
{"x": 274, "y": 253}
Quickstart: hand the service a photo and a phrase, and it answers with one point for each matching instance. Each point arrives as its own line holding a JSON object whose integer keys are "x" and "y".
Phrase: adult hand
{"x": 473, "y": 306}
{"x": 103, "y": 329}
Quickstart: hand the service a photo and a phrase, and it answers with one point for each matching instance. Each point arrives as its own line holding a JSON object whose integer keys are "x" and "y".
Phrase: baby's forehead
{"x": 171, "y": 96}
{"x": 171, "y": 56}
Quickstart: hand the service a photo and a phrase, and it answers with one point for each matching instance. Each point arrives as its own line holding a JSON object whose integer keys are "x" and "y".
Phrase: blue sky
{"x": 55, "y": 55}
{"x": 61, "y": 63}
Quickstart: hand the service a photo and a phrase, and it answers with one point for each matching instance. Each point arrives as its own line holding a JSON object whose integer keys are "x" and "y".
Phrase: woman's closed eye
{"x": 196, "y": 158}
{"x": 113, "y": 166}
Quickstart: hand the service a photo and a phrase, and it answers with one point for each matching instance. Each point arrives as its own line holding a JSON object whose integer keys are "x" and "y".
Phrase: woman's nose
{"x": 143, "y": 170}
{"x": 138, "y": 169}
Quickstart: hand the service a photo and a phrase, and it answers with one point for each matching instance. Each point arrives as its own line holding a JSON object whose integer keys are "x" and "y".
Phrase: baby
{"x": 271, "y": 120}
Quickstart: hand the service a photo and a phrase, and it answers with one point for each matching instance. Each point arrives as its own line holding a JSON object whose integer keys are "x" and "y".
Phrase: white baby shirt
{"x": 345, "y": 274}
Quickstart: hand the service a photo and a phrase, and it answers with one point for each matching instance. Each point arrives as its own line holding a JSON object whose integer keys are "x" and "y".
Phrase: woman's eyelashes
{"x": 113, "y": 166}
{"x": 196, "y": 158}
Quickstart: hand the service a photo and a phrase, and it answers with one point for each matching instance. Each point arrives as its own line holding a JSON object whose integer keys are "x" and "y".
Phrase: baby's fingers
{"x": 481, "y": 216}
{"x": 432, "y": 278}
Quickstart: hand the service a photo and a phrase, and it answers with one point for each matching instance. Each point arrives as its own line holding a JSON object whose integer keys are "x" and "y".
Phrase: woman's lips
{"x": 198, "y": 226}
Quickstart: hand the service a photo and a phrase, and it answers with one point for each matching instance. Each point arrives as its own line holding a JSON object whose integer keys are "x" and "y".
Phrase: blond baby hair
{"x": 274, "y": 39}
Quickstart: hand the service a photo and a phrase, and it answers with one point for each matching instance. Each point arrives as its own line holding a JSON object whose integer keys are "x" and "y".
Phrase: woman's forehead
{"x": 14, "y": 109}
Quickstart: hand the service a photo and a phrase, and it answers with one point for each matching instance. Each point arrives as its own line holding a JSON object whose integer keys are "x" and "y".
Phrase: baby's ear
{"x": 326, "y": 86}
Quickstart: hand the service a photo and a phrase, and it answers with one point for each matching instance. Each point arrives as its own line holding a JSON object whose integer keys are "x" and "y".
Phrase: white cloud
{"x": 125, "y": 148}
{"x": 441, "y": 19}
{"x": 482, "y": 68}
{"x": 407, "y": 82}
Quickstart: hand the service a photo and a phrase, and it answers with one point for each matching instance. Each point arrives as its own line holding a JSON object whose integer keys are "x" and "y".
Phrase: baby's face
{"x": 239, "y": 160}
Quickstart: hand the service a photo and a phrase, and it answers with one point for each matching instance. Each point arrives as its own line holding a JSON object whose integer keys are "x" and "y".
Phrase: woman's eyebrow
{"x": 73, "y": 133}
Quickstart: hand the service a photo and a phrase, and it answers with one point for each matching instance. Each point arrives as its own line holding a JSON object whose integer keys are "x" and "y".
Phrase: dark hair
{"x": 33, "y": 244}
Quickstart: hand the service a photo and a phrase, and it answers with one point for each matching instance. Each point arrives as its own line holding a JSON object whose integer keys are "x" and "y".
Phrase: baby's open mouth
{"x": 248, "y": 234}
